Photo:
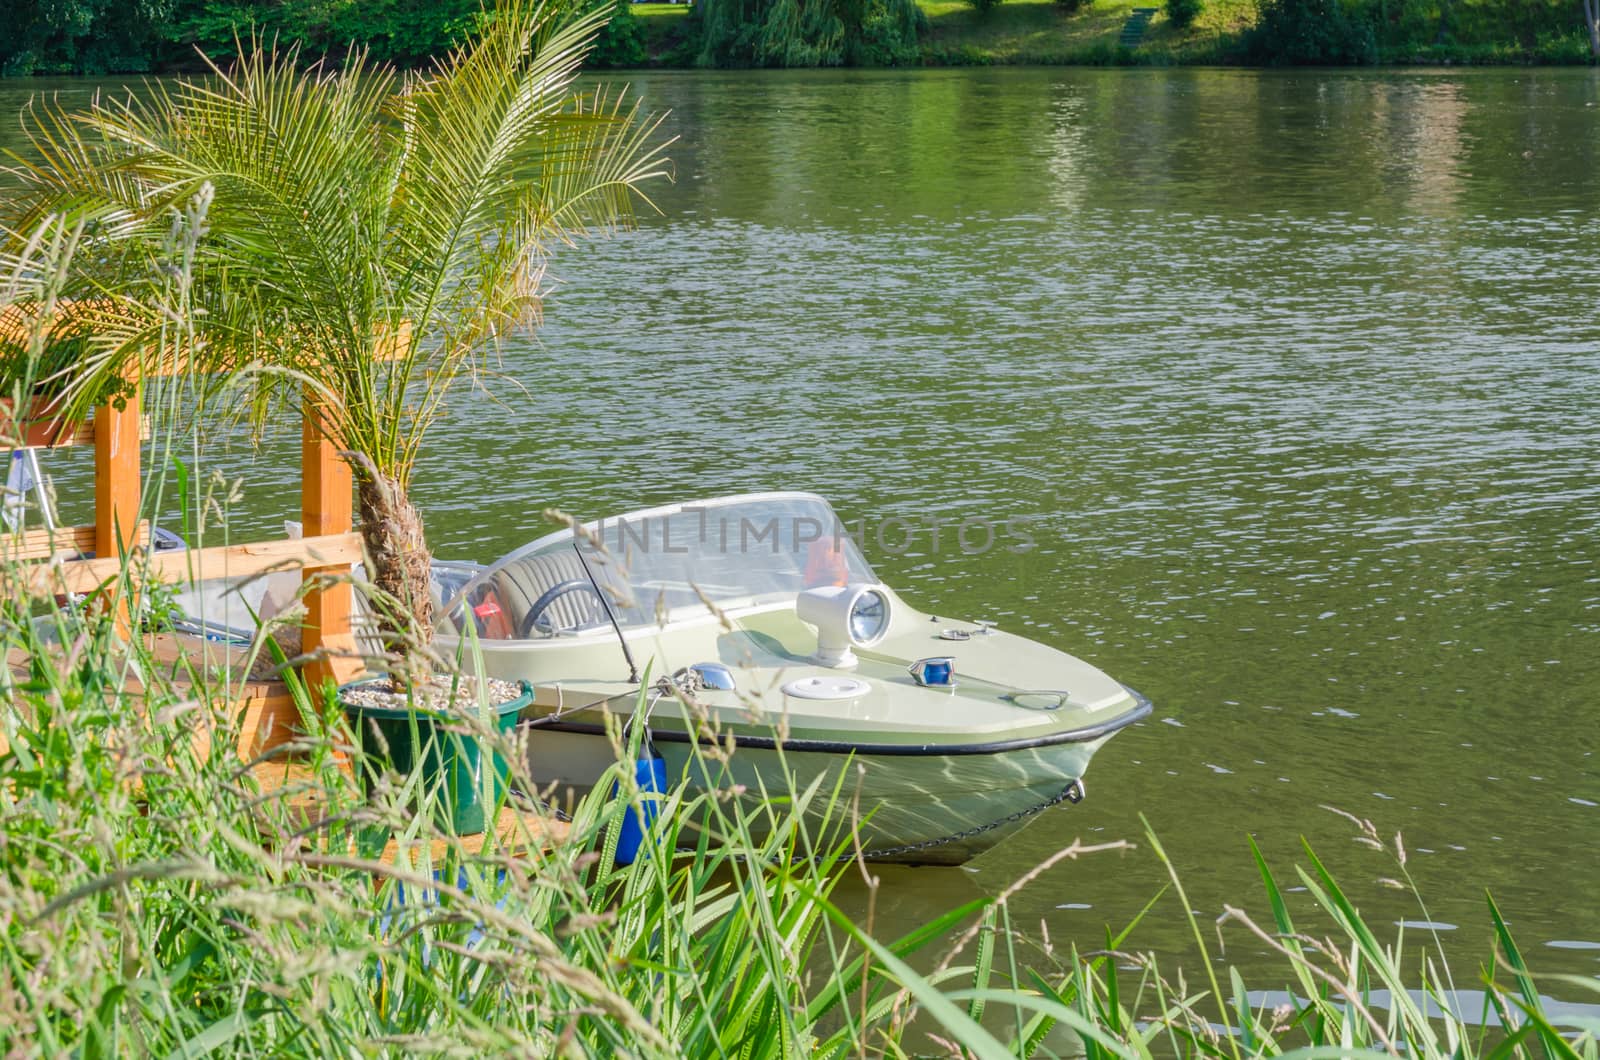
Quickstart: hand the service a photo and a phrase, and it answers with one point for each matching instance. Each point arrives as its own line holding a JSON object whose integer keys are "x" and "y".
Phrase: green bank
{"x": 1222, "y": 32}
{"x": 88, "y": 37}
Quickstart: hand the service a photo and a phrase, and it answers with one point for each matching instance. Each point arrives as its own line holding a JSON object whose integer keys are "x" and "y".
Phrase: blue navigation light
{"x": 937, "y": 672}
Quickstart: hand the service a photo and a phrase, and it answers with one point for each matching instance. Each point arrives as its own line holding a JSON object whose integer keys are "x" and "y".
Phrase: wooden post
{"x": 116, "y": 488}
{"x": 325, "y": 508}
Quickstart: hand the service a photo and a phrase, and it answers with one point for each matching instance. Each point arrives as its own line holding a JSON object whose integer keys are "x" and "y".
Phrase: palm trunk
{"x": 392, "y": 530}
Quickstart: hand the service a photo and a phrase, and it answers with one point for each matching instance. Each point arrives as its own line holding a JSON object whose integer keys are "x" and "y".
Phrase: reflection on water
{"x": 1298, "y": 373}
{"x": 1472, "y": 1007}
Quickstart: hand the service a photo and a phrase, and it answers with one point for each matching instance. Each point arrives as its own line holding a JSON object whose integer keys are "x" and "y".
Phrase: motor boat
{"x": 754, "y": 623}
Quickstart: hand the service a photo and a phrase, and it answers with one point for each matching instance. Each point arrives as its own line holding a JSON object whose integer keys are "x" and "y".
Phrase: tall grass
{"x": 155, "y": 901}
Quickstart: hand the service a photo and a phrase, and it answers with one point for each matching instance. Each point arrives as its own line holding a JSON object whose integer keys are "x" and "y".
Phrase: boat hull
{"x": 914, "y": 806}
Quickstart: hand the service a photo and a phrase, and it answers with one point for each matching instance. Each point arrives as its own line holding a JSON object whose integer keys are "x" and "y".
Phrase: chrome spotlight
{"x": 714, "y": 676}
{"x": 706, "y": 676}
{"x": 846, "y": 617}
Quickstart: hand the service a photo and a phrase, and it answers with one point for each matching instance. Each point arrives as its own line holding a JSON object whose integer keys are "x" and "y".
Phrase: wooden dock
{"x": 288, "y": 789}
{"x": 291, "y": 790}
{"x": 111, "y": 560}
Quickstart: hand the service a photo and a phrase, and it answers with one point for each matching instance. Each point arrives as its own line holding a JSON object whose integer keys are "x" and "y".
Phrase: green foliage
{"x": 620, "y": 42}
{"x": 43, "y": 341}
{"x": 96, "y": 36}
{"x": 889, "y": 33}
{"x": 1182, "y": 13}
{"x": 369, "y": 238}
{"x": 80, "y": 36}
{"x": 1310, "y": 33}
{"x": 806, "y": 32}
{"x": 407, "y": 32}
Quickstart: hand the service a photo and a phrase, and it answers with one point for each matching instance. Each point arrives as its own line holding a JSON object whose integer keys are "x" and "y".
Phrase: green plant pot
{"x": 451, "y": 761}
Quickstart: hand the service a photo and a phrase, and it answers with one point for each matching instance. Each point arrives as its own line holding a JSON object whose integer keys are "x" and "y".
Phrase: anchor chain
{"x": 1072, "y": 793}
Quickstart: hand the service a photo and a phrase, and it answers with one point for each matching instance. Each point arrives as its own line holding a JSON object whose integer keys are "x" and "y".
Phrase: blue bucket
{"x": 651, "y": 774}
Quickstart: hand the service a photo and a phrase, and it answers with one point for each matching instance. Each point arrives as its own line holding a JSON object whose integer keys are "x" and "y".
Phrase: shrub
{"x": 787, "y": 33}
{"x": 620, "y": 41}
{"x": 1182, "y": 13}
{"x": 406, "y": 32}
{"x": 80, "y": 36}
{"x": 1309, "y": 33}
{"x": 889, "y": 35}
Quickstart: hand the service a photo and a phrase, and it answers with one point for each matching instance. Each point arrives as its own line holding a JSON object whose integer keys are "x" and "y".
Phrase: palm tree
{"x": 370, "y": 236}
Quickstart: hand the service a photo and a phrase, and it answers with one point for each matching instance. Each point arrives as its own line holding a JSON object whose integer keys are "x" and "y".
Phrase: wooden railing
{"x": 119, "y": 540}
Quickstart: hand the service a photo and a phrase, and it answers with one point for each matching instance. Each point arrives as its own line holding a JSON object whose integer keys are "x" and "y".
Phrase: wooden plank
{"x": 42, "y": 543}
{"x": 271, "y": 719}
{"x": 68, "y": 542}
{"x": 116, "y": 491}
{"x": 223, "y": 561}
{"x": 60, "y": 434}
{"x": 302, "y": 796}
{"x": 326, "y": 508}
{"x": 295, "y": 786}
{"x": 22, "y": 322}
{"x": 270, "y": 716}
{"x": 387, "y": 348}
{"x": 518, "y": 833}
{"x": 116, "y": 478}
{"x": 294, "y": 794}
{"x": 19, "y": 323}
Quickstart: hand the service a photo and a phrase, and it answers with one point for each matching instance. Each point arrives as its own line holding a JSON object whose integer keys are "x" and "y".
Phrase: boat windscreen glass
{"x": 665, "y": 564}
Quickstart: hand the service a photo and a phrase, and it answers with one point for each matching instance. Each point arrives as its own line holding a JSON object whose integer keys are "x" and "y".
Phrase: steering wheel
{"x": 532, "y": 620}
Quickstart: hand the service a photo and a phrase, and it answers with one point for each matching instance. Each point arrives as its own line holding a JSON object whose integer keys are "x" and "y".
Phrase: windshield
{"x": 663, "y": 564}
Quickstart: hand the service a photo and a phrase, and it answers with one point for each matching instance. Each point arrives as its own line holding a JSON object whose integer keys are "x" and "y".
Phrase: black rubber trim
{"x": 1140, "y": 710}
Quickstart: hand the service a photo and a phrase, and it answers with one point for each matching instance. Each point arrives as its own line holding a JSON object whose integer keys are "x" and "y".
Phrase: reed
{"x": 154, "y": 901}
{"x": 1353, "y": 993}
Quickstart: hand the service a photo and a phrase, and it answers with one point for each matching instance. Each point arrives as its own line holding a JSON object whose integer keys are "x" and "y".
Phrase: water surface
{"x": 1298, "y": 374}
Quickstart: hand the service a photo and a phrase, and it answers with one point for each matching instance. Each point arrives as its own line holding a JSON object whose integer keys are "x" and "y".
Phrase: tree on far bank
{"x": 407, "y": 32}
{"x": 1591, "y": 19}
{"x": 1182, "y": 13}
{"x": 80, "y": 36}
{"x": 1309, "y": 33}
{"x": 739, "y": 33}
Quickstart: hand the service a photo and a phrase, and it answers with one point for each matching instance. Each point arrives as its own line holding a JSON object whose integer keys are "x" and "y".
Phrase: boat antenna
{"x": 605, "y": 602}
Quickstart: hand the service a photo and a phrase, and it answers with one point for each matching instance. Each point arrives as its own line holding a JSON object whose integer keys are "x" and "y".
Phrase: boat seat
{"x": 520, "y": 584}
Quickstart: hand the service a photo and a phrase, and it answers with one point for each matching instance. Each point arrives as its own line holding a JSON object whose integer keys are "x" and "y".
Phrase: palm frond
{"x": 367, "y": 237}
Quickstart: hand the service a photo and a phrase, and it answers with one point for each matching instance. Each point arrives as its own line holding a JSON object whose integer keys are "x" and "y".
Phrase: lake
{"x": 1295, "y": 374}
